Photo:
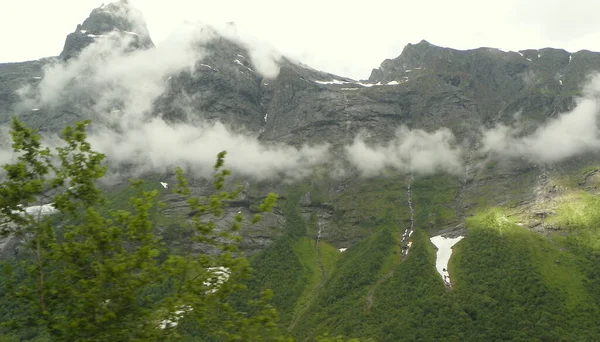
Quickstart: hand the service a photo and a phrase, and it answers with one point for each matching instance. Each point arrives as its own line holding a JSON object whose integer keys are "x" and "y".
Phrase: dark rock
{"x": 119, "y": 17}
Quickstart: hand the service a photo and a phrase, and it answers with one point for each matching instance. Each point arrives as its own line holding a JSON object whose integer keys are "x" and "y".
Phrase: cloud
{"x": 156, "y": 145}
{"x": 570, "y": 134}
{"x": 108, "y": 77}
{"x": 263, "y": 55}
{"x": 117, "y": 87}
{"x": 411, "y": 151}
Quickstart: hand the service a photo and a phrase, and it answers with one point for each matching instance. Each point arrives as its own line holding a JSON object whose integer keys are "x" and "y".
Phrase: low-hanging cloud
{"x": 111, "y": 77}
{"x": 570, "y": 134}
{"x": 117, "y": 87}
{"x": 411, "y": 151}
{"x": 156, "y": 145}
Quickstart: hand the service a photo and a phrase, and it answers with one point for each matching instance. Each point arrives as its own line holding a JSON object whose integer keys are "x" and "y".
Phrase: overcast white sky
{"x": 345, "y": 37}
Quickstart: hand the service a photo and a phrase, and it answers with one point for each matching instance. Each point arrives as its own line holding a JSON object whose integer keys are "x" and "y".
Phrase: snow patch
{"x": 164, "y": 185}
{"x": 242, "y": 64}
{"x": 208, "y": 66}
{"x": 83, "y": 31}
{"x": 443, "y": 254}
{"x": 560, "y": 81}
{"x": 240, "y": 55}
{"x": 332, "y": 82}
{"x": 266, "y": 116}
{"x": 407, "y": 70}
{"x": 133, "y": 33}
{"x": 34, "y": 109}
{"x": 219, "y": 276}
{"x": 343, "y": 249}
{"x": 570, "y": 58}
{"x": 43, "y": 210}
{"x": 539, "y": 55}
{"x": 95, "y": 35}
{"x": 37, "y": 78}
{"x": 529, "y": 59}
{"x": 393, "y": 83}
{"x": 519, "y": 53}
{"x": 174, "y": 317}
{"x": 369, "y": 84}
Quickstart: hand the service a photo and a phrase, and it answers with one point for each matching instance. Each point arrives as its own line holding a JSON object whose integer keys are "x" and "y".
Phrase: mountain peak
{"x": 118, "y": 16}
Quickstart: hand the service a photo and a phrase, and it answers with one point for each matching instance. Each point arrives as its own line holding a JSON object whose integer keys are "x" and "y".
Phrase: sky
{"x": 348, "y": 38}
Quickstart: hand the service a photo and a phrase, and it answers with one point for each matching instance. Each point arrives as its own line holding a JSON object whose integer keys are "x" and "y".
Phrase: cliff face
{"x": 460, "y": 143}
{"x": 427, "y": 87}
{"x": 118, "y": 17}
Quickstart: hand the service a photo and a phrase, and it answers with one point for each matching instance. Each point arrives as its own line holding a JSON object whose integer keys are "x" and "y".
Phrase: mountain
{"x": 349, "y": 252}
{"x": 120, "y": 17}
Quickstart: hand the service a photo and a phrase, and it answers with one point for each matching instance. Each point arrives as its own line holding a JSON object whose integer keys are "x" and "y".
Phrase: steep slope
{"x": 526, "y": 268}
{"x": 115, "y": 17}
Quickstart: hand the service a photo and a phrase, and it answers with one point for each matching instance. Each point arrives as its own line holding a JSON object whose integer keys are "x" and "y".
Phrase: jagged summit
{"x": 118, "y": 16}
{"x": 425, "y": 55}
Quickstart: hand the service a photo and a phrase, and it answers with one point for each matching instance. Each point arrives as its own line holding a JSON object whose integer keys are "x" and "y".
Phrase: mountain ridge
{"x": 498, "y": 147}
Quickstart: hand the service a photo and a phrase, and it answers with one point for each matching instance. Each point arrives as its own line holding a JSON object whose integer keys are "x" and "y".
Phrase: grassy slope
{"x": 509, "y": 284}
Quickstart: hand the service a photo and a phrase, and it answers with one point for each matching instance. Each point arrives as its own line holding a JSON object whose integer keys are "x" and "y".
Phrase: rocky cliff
{"x": 427, "y": 87}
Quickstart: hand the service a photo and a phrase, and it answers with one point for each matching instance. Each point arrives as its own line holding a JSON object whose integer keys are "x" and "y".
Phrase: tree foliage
{"x": 91, "y": 273}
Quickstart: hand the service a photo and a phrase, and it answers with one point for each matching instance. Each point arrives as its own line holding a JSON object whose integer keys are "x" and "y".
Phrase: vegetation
{"x": 100, "y": 270}
{"x": 92, "y": 272}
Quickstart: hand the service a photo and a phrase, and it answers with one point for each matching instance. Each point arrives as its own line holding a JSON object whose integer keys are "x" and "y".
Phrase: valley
{"x": 451, "y": 196}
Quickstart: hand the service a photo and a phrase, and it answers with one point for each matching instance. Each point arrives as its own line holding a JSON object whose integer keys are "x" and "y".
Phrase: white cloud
{"x": 572, "y": 133}
{"x": 118, "y": 88}
{"x": 156, "y": 145}
{"x": 346, "y": 38}
{"x": 411, "y": 151}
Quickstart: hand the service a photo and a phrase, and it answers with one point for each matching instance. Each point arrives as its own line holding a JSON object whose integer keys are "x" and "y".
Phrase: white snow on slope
{"x": 174, "y": 318}
{"x": 343, "y": 249}
{"x": 369, "y": 84}
{"x": 206, "y": 65}
{"x": 266, "y": 116}
{"x": 45, "y": 209}
{"x": 443, "y": 254}
{"x": 133, "y": 33}
{"x": 35, "y": 109}
{"x": 219, "y": 276}
{"x": 83, "y": 31}
{"x": 366, "y": 85}
{"x": 332, "y": 82}
{"x": 164, "y": 185}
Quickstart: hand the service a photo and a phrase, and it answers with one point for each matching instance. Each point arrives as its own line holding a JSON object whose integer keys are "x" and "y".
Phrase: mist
{"x": 157, "y": 145}
{"x": 569, "y": 134}
{"x": 117, "y": 87}
{"x": 415, "y": 152}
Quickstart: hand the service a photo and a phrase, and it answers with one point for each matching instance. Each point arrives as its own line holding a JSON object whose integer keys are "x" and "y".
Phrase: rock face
{"x": 120, "y": 17}
{"x": 426, "y": 87}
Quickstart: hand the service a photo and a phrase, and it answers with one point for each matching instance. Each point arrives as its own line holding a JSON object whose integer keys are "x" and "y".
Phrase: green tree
{"x": 94, "y": 274}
